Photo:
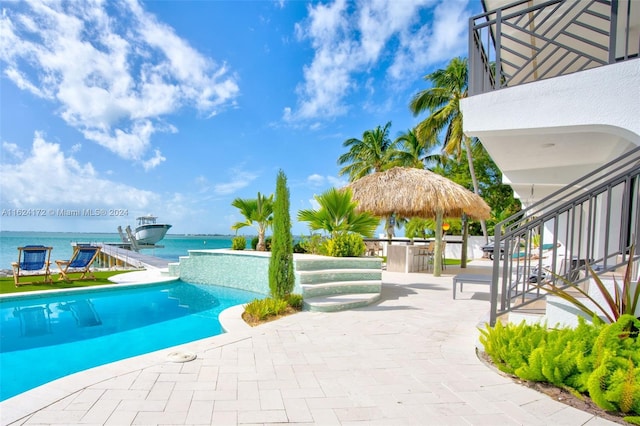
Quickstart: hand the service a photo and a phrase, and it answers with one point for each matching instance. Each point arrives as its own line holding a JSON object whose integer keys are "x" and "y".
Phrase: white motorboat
{"x": 149, "y": 231}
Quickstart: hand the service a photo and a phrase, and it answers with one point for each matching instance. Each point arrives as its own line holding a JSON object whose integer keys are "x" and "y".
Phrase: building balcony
{"x": 565, "y": 96}
{"x": 527, "y": 41}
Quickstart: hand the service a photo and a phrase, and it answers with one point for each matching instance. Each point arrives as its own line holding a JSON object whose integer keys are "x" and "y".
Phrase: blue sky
{"x": 176, "y": 108}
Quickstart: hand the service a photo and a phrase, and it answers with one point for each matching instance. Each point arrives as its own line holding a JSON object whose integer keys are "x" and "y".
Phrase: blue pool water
{"x": 48, "y": 337}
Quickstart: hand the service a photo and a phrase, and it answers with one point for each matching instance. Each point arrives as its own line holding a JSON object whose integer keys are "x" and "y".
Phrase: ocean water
{"x": 174, "y": 245}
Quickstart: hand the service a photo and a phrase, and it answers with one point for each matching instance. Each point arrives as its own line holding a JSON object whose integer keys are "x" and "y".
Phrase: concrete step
{"x": 340, "y": 302}
{"x": 324, "y": 262}
{"x": 564, "y": 313}
{"x": 336, "y": 275}
{"x": 341, "y": 287}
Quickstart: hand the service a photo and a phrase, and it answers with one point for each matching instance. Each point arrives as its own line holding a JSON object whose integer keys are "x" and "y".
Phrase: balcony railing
{"x": 595, "y": 220}
{"x": 520, "y": 43}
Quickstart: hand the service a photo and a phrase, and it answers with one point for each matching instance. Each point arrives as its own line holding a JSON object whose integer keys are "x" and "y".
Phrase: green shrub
{"x": 344, "y": 245}
{"x": 634, "y": 420}
{"x": 281, "y": 277}
{"x": 295, "y": 301}
{"x": 267, "y": 242}
{"x": 299, "y": 247}
{"x": 312, "y": 244}
{"x": 238, "y": 243}
{"x": 615, "y": 382}
{"x": 509, "y": 346}
{"x": 264, "y": 308}
{"x": 602, "y": 360}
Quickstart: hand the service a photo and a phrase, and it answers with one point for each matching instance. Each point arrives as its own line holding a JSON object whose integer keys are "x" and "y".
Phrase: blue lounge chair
{"x": 80, "y": 262}
{"x": 32, "y": 261}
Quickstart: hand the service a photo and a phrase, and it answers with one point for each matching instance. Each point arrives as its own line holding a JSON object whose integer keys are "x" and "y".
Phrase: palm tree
{"x": 418, "y": 227}
{"x": 442, "y": 101}
{"x": 337, "y": 214}
{"x": 258, "y": 212}
{"x": 374, "y": 153}
{"x": 415, "y": 153}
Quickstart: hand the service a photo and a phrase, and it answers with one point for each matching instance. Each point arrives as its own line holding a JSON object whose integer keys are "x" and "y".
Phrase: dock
{"x": 112, "y": 255}
{"x": 127, "y": 253}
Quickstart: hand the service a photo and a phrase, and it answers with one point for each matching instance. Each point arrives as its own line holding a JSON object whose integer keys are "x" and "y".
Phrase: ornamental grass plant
{"x": 623, "y": 300}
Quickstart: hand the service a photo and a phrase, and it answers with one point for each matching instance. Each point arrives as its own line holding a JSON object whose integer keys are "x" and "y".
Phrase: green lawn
{"x": 7, "y": 285}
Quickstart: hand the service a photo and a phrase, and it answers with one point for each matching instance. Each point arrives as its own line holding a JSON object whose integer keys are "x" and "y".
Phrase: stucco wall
{"x": 607, "y": 97}
{"x": 244, "y": 270}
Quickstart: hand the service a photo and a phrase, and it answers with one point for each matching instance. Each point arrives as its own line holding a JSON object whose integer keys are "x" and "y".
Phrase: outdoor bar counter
{"x": 406, "y": 258}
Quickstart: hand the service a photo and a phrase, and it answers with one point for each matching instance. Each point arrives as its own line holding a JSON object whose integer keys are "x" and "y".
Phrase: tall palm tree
{"x": 258, "y": 212}
{"x": 337, "y": 214}
{"x": 442, "y": 101}
{"x": 414, "y": 152}
{"x": 375, "y": 152}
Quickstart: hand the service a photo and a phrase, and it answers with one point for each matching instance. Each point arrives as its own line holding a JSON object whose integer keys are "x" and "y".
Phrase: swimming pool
{"x": 47, "y": 337}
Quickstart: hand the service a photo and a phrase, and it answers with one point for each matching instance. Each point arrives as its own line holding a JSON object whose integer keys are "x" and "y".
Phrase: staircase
{"x": 331, "y": 284}
{"x": 594, "y": 220}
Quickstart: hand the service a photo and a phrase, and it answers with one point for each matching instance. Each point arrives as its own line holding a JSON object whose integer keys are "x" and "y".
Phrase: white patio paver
{"x": 407, "y": 360}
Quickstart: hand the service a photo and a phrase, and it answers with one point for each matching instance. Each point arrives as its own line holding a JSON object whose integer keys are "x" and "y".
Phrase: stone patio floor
{"x": 408, "y": 360}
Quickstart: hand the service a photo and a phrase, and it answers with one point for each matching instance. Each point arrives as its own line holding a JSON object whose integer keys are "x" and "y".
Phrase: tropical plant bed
{"x": 259, "y": 311}
{"x": 254, "y": 320}
{"x": 582, "y": 403}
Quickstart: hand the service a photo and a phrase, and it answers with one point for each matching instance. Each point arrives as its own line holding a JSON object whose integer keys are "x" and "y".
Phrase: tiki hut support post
{"x": 437, "y": 250}
{"x": 465, "y": 241}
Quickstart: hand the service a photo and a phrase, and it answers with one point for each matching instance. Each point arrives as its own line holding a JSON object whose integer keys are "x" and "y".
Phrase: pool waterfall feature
{"x": 326, "y": 283}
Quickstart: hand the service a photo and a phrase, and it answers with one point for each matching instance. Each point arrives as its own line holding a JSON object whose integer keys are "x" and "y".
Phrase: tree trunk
{"x": 261, "y": 245}
{"x": 474, "y": 179}
{"x": 465, "y": 241}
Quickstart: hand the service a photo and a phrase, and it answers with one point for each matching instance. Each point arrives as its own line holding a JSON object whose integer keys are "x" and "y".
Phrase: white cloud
{"x": 241, "y": 179}
{"x": 316, "y": 180}
{"x": 13, "y": 150}
{"x": 154, "y": 161}
{"x": 47, "y": 178}
{"x": 202, "y": 183}
{"x": 315, "y": 205}
{"x": 349, "y": 40}
{"x": 112, "y": 68}
{"x": 337, "y": 182}
{"x": 446, "y": 38}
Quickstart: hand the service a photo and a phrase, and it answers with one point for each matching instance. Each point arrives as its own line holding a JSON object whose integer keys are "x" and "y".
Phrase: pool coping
{"x": 22, "y": 405}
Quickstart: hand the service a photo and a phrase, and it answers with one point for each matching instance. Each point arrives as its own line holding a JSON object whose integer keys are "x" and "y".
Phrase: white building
{"x": 554, "y": 95}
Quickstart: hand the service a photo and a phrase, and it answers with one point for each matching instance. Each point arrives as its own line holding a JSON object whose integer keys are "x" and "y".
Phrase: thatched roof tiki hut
{"x": 410, "y": 192}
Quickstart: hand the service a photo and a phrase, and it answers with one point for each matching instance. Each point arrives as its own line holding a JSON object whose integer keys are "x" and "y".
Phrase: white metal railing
{"x": 594, "y": 220}
{"x": 520, "y": 43}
